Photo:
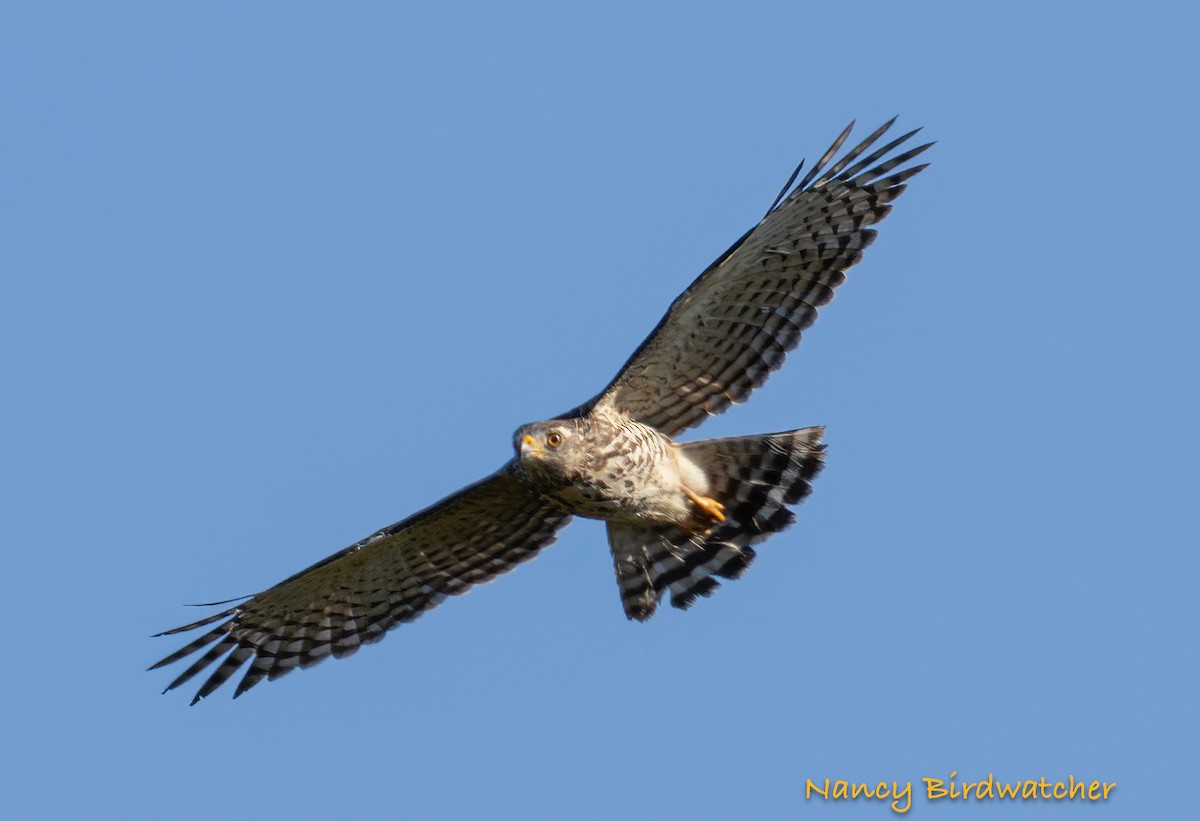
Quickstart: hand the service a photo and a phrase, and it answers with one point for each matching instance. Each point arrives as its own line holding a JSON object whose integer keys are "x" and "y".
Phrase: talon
{"x": 711, "y": 508}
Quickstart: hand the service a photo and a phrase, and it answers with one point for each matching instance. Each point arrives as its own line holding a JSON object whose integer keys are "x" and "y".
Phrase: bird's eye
{"x": 554, "y": 439}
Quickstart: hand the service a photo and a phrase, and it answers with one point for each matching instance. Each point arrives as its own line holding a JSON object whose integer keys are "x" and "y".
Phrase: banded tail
{"x": 756, "y": 478}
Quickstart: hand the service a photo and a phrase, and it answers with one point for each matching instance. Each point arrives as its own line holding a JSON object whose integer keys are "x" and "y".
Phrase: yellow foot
{"x": 710, "y": 508}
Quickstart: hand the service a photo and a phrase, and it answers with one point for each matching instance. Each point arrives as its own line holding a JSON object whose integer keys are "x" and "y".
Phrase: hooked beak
{"x": 529, "y": 447}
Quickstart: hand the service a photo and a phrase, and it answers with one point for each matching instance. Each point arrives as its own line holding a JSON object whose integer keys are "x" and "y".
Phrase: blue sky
{"x": 274, "y": 277}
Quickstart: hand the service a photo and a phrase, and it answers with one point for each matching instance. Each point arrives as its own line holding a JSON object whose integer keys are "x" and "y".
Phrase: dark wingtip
{"x": 917, "y": 169}
{"x": 786, "y": 187}
{"x": 226, "y": 601}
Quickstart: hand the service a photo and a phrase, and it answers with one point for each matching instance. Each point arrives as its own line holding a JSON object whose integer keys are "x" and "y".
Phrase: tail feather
{"x": 756, "y": 478}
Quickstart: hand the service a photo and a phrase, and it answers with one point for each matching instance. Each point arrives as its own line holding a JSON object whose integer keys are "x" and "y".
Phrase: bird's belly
{"x": 626, "y": 501}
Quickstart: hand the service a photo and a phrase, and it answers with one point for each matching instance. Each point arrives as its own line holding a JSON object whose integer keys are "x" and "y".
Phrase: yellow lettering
{"x": 863, "y": 789}
{"x": 1008, "y": 790}
{"x": 935, "y": 788}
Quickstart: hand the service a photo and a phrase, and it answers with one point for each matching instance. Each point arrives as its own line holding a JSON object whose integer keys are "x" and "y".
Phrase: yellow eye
{"x": 554, "y": 439}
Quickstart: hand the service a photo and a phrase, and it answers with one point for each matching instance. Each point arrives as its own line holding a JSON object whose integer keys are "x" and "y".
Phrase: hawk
{"x": 679, "y": 515}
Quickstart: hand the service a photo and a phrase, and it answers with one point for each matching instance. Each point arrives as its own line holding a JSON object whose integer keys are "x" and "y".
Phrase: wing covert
{"x": 724, "y": 335}
{"x": 393, "y": 576}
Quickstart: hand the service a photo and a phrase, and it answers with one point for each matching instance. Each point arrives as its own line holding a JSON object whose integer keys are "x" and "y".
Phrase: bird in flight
{"x": 678, "y": 515}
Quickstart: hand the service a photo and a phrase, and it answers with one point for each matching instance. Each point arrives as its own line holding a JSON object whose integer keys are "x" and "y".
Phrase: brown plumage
{"x": 678, "y": 514}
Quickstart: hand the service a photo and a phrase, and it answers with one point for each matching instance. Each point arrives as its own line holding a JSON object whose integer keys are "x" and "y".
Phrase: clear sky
{"x": 276, "y": 276}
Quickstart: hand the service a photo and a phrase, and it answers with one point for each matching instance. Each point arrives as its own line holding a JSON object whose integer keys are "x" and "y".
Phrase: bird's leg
{"x": 708, "y": 507}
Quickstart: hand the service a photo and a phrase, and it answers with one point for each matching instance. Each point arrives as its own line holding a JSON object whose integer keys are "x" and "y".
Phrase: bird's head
{"x": 547, "y": 451}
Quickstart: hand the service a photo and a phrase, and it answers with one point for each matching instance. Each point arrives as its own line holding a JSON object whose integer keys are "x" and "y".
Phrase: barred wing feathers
{"x": 733, "y": 326}
{"x": 356, "y": 595}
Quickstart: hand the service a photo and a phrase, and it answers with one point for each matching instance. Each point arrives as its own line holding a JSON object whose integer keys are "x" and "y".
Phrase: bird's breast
{"x": 630, "y": 475}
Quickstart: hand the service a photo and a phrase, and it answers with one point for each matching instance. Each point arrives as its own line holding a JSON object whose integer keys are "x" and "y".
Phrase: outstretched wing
{"x": 725, "y": 334}
{"x": 356, "y": 595}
